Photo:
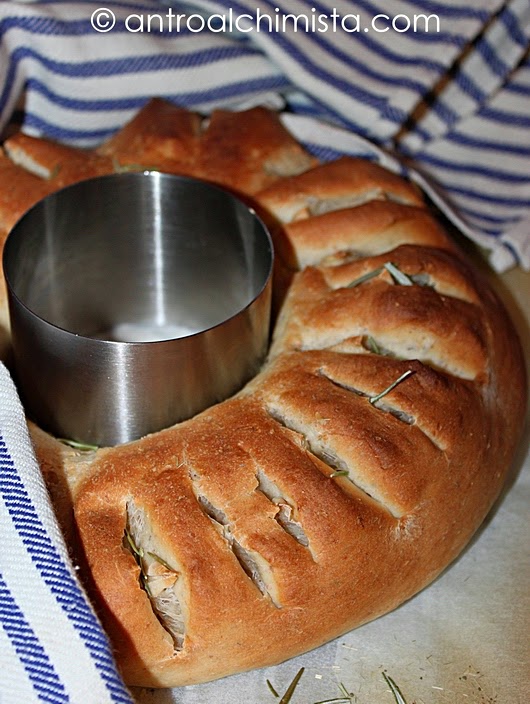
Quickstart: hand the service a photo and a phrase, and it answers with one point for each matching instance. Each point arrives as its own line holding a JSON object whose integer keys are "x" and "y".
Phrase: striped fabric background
{"x": 454, "y": 103}
{"x": 450, "y": 107}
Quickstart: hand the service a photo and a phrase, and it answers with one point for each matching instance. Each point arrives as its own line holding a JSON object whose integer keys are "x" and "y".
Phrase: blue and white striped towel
{"x": 452, "y": 102}
{"x": 52, "y": 648}
{"x": 452, "y": 106}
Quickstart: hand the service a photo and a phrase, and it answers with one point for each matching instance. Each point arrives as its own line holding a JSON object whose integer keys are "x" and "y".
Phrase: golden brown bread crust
{"x": 20, "y": 190}
{"x": 244, "y": 151}
{"x": 249, "y": 151}
{"x": 343, "y": 478}
{"x": 339, "y": 184}
{"x": 57, "y": 164}
{"x": 372, "y": 228}
{"x": 161, "y": 136}
{"x": 414, "y": 321}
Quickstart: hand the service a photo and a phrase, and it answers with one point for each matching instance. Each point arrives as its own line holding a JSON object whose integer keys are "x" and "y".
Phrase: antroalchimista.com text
{"x": 103, "y": 20}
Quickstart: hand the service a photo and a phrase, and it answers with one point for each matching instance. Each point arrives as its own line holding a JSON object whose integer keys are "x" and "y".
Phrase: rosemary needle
{"x": 365, "y": 277}
{"x": 290, "y": 689}
{"x": 398, "y": 276}
{"x": 372, "y": 345}
{"x": 138, "y": 552}
{"x": 120, "y": 168}
{"x": 346, "y": 698}
{"x": 84, "y": 447}
{"x": 374, "y": 399}
{"x": 399, "y": 698}
{"x": 340, "y": 473}
{"x": 161, "y": 561}
{"x": 350, "y": 696}
{"x": 275, "y": 693}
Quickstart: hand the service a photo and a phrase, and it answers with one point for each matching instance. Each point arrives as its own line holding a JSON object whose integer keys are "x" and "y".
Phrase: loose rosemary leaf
{"x": 346, "y": 698}
{"x": 290, "y": 689}
{"x": 269, "y": 685}
{"x": 398, "y": 696}
{"x": 347, "y": 695}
